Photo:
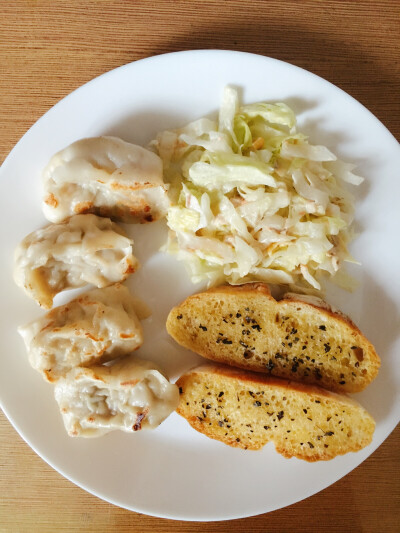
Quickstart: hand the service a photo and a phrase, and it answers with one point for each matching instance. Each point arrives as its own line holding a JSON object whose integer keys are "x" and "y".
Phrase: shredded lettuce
{"x": 252, "y": 199}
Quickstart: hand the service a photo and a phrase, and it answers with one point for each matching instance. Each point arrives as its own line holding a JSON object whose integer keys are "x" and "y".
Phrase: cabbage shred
{"x": 252, "y": 199}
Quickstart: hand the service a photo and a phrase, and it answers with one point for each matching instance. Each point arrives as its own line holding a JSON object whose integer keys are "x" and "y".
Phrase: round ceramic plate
{"x": 173, "y": 471}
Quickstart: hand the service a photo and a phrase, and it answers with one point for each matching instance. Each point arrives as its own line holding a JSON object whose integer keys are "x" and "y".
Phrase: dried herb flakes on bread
{"x": 246, "y": 410}
{"x": 244, "y": 326}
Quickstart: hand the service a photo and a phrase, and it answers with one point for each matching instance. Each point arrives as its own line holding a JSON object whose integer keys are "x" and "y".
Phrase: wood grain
{"x": 49, "y": 48}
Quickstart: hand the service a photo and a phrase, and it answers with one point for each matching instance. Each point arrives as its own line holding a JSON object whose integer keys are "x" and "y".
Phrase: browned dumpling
{"x": 106, "y": 176}
{"x": 98, "y": 326}
{"x": 84, "y": 249}
{"x": 130, "y": 395}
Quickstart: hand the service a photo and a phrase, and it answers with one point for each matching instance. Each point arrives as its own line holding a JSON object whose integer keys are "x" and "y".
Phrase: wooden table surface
{"x": 48, "y": 49}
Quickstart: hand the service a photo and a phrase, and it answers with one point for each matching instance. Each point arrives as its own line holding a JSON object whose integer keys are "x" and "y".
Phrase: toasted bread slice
{"x": 306, "y": 341}
{"x": 247, "y": 409}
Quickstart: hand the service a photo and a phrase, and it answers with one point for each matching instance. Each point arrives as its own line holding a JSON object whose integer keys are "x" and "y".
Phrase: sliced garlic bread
{"x": 247, "y": 409}
{"x": 244, "y": 326}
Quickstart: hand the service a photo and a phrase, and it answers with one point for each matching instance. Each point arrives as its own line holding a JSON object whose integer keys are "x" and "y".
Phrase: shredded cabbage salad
{"x": 252, "y": 199}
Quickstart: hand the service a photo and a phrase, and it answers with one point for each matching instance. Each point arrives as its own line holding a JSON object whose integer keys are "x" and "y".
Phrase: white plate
{"x": 175, "y": 472}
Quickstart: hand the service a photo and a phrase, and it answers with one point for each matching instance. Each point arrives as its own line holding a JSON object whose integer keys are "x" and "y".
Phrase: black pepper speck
{"x": 270, "y": 365}
{"x": 317, "y": 373}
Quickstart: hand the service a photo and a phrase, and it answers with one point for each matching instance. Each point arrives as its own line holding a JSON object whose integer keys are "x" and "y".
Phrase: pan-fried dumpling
{"x": 84, "y": 249}
{"x": 129, "y": 395}
{"x": 106, "y": 176}
{"x": 98, "y": 326}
